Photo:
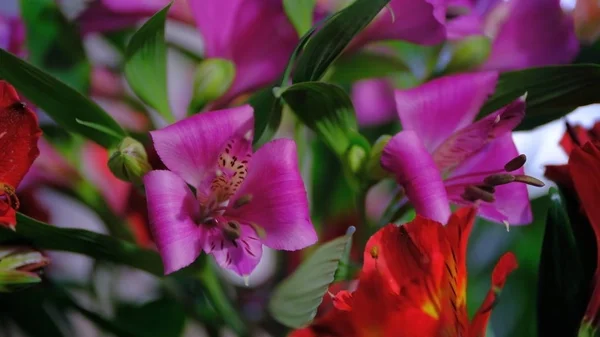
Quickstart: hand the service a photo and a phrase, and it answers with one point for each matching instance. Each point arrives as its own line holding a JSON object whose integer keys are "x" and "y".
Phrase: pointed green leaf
{"x": 365, "y": 65}
{"x": 300, "y": 13}
{"x": 98, "y": 246}
{"x": 267, "y": 115}
{"x": 561, "y": 300}
{"x": 329, "y": 42}
{"x": 146, "y": 64}
{"x": 13, "y": 280}
{"x": 61, "y": 102}
{"x": 295, "y": 301}
{"x": 552, "y": 92}
{"x": 327, "y": 110}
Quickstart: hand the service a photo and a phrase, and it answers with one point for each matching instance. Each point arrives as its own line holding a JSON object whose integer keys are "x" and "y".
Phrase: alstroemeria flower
{"x": 440, "y": 141}
{"x": 520, "y": 37}
{"x": 255, "y": 35}
{"x": 413, "y": 284}
{"x": 19, "y": 133}
{"x": 240, "y": 200}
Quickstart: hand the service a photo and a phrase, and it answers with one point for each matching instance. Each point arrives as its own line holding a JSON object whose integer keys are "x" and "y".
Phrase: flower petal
{"x": 417, "y": 21}
{"x": 19, "y": 134}
{"x": 512, "y": 200}
{"x": 406, "y": 157}
{"x": 471, "y": 139}
{"x": 506, "y": 265}
{"x": 527, "y": 39}
{"x": 374, "y": 102}
{"x": 171, "y": 209}
{"x": 241, "y": 255}
{"x": 436, "y": 109}
{"x": 279, "y": 203}
{"x": 255, "y": 34}
{"x": 191, "y": 147}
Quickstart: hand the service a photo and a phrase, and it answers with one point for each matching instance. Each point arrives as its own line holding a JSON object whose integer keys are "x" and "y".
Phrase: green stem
{"x": 215, "y": 294}
{"x": 363, "y": 230}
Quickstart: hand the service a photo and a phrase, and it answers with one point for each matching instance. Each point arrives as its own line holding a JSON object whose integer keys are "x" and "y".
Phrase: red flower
{"x": 413, "y": 284}
{"x": 19, "y": 133}
{"x": 584, "y": 168}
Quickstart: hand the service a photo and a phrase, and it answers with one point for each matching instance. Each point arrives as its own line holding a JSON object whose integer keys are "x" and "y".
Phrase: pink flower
{"x": 241, "y": 201}
{"x": 255, "y": 35}
{"x": 440, "y": 141}
{"x": 520, "y": 37}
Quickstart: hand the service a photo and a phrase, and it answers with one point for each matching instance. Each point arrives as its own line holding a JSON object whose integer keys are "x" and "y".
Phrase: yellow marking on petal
{"x": 429, "y": 309}
{"x": 374, "y": 252}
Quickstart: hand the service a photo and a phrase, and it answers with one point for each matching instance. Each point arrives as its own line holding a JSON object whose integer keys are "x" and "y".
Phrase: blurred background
{"x": 83, "y": 43}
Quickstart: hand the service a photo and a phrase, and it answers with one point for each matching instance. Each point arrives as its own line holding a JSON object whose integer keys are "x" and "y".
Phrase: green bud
{"x": 469, "y": 53}
{"x": 374, "y": 169}
{"x": 20, "y": 267}
{"x": 212, "y": 79}
{"x": 130, "y": 161}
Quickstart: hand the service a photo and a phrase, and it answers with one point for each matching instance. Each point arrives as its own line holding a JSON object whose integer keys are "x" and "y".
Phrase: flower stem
{"x": 217, "y": 297}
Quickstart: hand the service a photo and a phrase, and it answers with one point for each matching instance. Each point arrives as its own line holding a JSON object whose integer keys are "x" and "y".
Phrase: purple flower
{"x": 440, "y": 141}
{"x": 255, "y": 35}
{"x": 240, "y": 200}
{"x": 521, "y": 36}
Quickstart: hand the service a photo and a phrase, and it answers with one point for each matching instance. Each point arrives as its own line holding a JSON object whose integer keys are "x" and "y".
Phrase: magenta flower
{"x": 255, "y": 35}
{"x": 521, "y": 37}
{"x": 239, "y": 200}
{"x": 440, "y": 141}
{"x": 111, "y": 15}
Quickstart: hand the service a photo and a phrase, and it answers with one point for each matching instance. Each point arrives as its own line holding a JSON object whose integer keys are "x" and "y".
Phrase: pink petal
{"x": 191, "y": 147}
{"x": 279, "y": 202}
{"x": 171, "y": 209}
{"x": 528, "y": 39}
{"x": 512, "y": 200}
{"x": 473, "y": 138}
{"x": 374, "y": 101}
{"x": 436, "y": 109}
{"x": 242, "y": 257}
{"x": 417, "y": 21}
{"x": 255, "y": 34}
{"x": 406, "y": 157}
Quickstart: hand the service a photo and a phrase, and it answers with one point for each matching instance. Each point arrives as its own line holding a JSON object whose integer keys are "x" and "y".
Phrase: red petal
{"x": 8, "y": 216}
{"x": 458, "y": 231}
{"x": 506, "y": 265}
{"x": 19, "y": 133}
{"x": 567, "y": 142}
{"x": 584, "y": 165}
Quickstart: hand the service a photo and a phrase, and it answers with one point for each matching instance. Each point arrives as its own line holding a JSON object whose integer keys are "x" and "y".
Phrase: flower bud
{"x": 20, "y": 267}
{"x": 130, "y": 161}
{"x": 469, "y": 53}
{"x": 374, "y": 169}
{"x": 212, "y": 79}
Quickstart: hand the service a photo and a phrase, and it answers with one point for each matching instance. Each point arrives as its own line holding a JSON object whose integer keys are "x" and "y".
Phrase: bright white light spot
{"x": 568, "y": 5}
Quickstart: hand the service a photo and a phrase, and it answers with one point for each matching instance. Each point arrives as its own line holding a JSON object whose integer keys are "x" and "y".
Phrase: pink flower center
{"x": 232, "y": 169}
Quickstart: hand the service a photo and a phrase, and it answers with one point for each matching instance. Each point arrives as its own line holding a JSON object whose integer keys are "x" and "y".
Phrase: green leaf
{"x": 267, "y": 115}
{"x": 365, "y": 65}
{"x": 329, "y": 42}
{"x": 327, "y": 110}
{"x": 61, "y": 102}
{"x": 561, "y": 300}
{"x": 102, "y": 247}
{"x": 300, "y": 13}
{"x": 552, "y": 92}
{"x": 146, "y": 64}
{"x": 54, "y": 44}
{"x": 295, "y": 300}
{"x": 163, "y": 317}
